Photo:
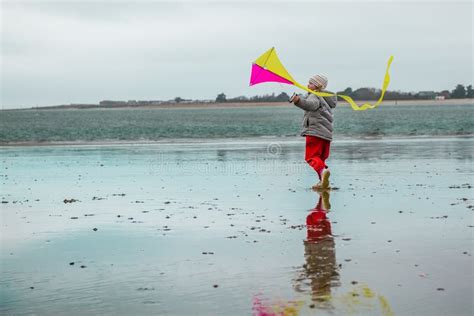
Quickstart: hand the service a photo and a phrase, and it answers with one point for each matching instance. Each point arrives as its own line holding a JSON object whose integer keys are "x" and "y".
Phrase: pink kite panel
{"x": 260, "y": 75}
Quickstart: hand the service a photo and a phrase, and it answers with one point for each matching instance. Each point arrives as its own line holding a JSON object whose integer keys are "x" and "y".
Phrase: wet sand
{"x": 232, "y": 229}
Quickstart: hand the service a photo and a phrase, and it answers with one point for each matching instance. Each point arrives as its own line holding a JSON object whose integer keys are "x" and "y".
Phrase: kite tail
{"x": 348, "y": 99}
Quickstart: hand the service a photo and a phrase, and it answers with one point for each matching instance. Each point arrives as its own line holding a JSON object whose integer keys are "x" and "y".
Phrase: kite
{"x": 268, "y": 68}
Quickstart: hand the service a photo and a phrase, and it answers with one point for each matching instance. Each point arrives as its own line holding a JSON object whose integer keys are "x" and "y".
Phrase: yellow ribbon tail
{"x": 348, "y": 99}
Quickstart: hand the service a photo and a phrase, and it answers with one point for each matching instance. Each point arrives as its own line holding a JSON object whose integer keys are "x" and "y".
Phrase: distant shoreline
{"x": 282, "y": 104}
{"x": 250, "y": 104}
{"x": 231, "y": 141}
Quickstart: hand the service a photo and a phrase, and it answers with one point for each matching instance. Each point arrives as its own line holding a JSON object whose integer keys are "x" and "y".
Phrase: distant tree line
{"x": 361, "y": 94}
{"x": 459, "y": 92}
{"x": 282, "y": 97}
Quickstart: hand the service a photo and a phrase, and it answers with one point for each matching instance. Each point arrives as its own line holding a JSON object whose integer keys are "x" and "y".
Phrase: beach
{"x": 152, "y": 164}
{"x": 219, "y": 227}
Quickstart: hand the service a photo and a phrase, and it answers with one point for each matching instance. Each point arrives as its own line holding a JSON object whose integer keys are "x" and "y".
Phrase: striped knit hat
{"x": 319, "y": 81}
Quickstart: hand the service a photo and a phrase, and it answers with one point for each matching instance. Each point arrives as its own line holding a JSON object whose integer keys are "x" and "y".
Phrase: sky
{"x": 62, "y": 52}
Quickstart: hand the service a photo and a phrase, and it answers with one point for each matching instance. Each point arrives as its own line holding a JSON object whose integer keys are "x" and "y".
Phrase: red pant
{"x": 317, "y": 151}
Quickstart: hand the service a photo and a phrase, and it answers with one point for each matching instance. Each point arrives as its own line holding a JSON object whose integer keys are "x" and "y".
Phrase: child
{"x": 317, "y": 128}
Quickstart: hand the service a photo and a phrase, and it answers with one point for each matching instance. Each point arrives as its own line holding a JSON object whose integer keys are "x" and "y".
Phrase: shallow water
{"x": 211, "y": 229}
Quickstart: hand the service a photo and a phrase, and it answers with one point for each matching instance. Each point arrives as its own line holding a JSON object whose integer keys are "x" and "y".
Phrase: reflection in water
{"x": 320, "y": 272}
{"x": 264, "y": 307}
{"x": 319, "y": 275}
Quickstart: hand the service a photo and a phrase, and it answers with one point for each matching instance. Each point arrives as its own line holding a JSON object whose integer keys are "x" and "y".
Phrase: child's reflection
{"x": 320, "y": 272}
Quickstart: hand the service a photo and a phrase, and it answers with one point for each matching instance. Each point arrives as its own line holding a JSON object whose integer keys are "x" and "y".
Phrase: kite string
{"x": 348, "y": 99}
{"x": 276, "y": 68}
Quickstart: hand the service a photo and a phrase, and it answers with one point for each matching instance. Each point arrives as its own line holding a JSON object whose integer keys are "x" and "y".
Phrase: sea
{"x": 30, "y": 127}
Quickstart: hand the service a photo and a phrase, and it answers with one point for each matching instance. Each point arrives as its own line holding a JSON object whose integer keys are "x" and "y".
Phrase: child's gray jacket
{"x": 317, "y": 120}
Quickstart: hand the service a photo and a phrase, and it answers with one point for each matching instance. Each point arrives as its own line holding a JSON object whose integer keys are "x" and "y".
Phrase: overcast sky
{"x": 83, "y": 52}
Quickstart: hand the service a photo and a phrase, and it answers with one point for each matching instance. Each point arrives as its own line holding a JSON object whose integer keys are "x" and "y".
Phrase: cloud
{"x": 58, "y": 53}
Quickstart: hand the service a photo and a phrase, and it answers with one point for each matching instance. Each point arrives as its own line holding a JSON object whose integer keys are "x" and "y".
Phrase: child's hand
{"x": 295, "y": 99}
